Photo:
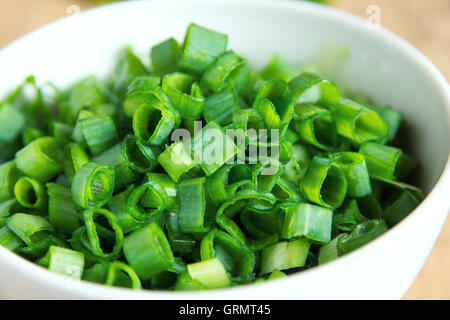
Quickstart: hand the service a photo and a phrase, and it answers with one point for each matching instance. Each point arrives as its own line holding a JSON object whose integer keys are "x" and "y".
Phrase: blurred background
{"x": 424, "y": 23}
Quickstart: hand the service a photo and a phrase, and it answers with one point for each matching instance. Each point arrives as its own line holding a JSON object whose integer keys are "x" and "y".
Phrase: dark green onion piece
{"x": 275, "y": 104}
{"x": 236, "y": 257}
{"x": 315, "y": 126}
{"x": 210, "y": 273}
{"x": 94, "y": 230}
{"x": 12, "y": 122}
{"x": 330, "y": 251}
{"x": 137, "y": 155}
{"x": 358, "y": 123}
{"x": 64, "y": 261}
{"x": 164, "y": 57}
{"x": 119, "y": 269}
{"x": 38, "y": 249}
{"x": 93, "y": 185}
{"x": 362, "y": 234}
{"x": 97, "y": 273}
{"x": 128, "y": 67}
{"x": 99, "y": 132}
{"x": 403, "y": 205}
{"x": 310, "y": 221}
{"x": 185, "y": 94}
{"x": 30, "y": 193}
{"x": 284, "y": 255}
{"x": 219, "y": 107}
{"x": 201, "y": 47}
{"x": 29, "y": 228}
{"x": 41, "y": 159}
{"x": 9, "y": 174}
{"x": 324, "y": 183}
{"x": 348, "y": 216}
{"x": 356, "y": 172}
{"x": 191, "y": 214}
{"x": 154, "y": 193}
{"x": 311, "y": 88}
{"x": 148, "y": 251}
{"x": 216, "y": 75}
{"x": 9, "y": 240}
{"x": 62, "y": 213}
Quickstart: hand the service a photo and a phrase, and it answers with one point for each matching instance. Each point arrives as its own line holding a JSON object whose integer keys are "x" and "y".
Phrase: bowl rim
{"x": 88, "y": 289}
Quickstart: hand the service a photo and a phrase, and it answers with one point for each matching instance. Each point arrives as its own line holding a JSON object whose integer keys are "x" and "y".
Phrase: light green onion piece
{"x": 324, "y": 183}
{"x": 128, "y": 67}
{"x": 275, "y": 104}
{"x": 99, "y": 132}
{"x": 310, "y": 221}
{"x": 210, "y": 273}
{"x": 284, "y": 255}
{"x": 356, "y": 172}
{"x": 29, "y": 228}
{"x": 117, "y": 205}
{"x": 117, "y": 271}
{"x": 9, "y": 240}
{"x": 392, "y": 117}
{"x": 30, "y": 193}
{"x": 201, "y": 47}
{"x": 154, "y": 194}
{"x": 148, "y": 252}
{"x": 330, "y": 251}
{"x": 358, "y": 123}
{"x": 218, "y": 72}
{"x": 219, "y": 107}
{"x": 164, "y": 57}
{"x": 93, "y": 185}
{"x": 41, "y": 159}
{"x": 64, "y": 261}
{"x": 382, "y": 161}
{"x": 185, "y": 94}
{"x": 191, "y": 214}
{"x": 169, "y": 186}
{"x": 62, "y": 213}
{"x": 237, "y": 259}
{"x": 315, "y": 126}
{"x": 12, "y": 122}
{"x": 9, "y": 207}
{"x": 9, "y": 174}
{"x": 311, "y": 88}
{"x": 177, "y": 161}
{"x": 137, "y": 89}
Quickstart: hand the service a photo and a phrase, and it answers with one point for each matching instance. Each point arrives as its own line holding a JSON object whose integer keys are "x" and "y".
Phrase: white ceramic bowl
{"x": 382, "y": 65}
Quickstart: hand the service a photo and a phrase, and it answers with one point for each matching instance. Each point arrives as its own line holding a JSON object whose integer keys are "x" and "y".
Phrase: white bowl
{"x": 382, "y": 65}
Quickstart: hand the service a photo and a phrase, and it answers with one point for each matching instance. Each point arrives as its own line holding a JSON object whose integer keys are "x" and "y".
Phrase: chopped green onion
{"x": 382, "y": 161}
{"x": 12, "y": 122}
{"x": 184, "y": 93}
{"x": 363, "y": 233}
{"x": 358, "y": 123}
{"x": 216, "y": 75}
{"x": 219, "y": 107}
{"x": 356, "y": 172}
{"x": 99, "y": 132}
{"x": 115, "y": 276}
{"x": 201, "y": 47}
{"x": 311, "y": 88}
{"x": 324, "y": 183}
{"x": 210, "y": 273}
{"x": 41, "y": 159}
{"x": 279, "y": 68}
{"x": 164, "y": 57}
{"x": 93, "y": 185}
{"x": 9, "y": 174}
{"x": 331, "y": 251}
{"x": 62, "y": 213}
{"x": 148, "y": 251}
{"x": 29, "y": 228}
{"x": 64, "y": 261}
{"x": 310, "y": 221}
{"x": 275, "y": 104}
{"x": 30, "y": 193}
{"x": 284, "y": 255}
{"x": 177, "y": 161}
{"x": 137, "y": 155}
{"x": 403, "y": 205}
{"x": 127, "y": 69}
{"x": 9, "y": 240}
{"x": 154, "y": 193}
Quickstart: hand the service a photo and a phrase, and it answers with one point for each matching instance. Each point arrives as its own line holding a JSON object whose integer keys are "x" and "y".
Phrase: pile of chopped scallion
{"x": 95, "y": 184}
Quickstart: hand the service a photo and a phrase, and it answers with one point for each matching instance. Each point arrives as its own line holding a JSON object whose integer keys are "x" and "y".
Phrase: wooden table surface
{"x": 424, "y": 23}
